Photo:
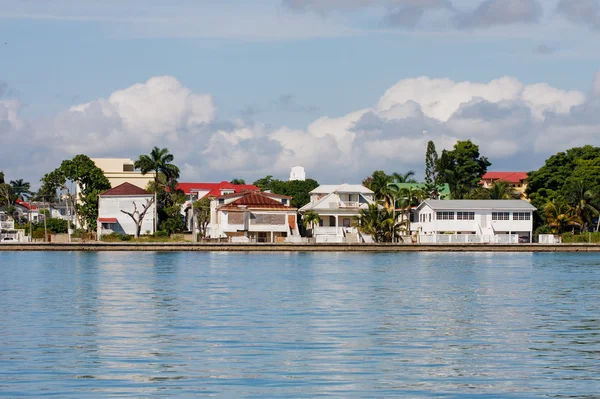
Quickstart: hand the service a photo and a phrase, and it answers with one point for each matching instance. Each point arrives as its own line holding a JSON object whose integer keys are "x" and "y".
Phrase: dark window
{"x": 445, "y": 216}
{"x": 465, "y": 215}
{"x": 521, "y": 216}
{"x": 500, "y": 216}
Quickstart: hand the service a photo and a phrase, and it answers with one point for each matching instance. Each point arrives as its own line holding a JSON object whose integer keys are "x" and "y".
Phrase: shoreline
{"x": 268, "y": 247}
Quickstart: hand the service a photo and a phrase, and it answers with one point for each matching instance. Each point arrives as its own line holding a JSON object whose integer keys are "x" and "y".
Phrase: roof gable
{"x": 125, "y": 189}
{"x": 256, "y": 199}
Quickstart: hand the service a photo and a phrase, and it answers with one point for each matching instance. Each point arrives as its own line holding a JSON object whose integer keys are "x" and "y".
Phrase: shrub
{"x": 161, "y": 233}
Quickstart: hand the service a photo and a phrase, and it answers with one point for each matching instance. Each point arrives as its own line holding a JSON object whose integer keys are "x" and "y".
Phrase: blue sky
{"x": 293, "y": 81}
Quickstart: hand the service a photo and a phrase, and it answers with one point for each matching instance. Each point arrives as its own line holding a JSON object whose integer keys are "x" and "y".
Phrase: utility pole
{"x": 45, "y": 230}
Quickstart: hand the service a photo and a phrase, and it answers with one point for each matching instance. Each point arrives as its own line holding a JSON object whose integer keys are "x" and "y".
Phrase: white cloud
{"x": 516, "y": 125}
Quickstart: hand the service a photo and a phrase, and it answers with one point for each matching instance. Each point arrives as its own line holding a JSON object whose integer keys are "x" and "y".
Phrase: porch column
{"x": 337, "y": 225}
{"x": 272, "y": 239}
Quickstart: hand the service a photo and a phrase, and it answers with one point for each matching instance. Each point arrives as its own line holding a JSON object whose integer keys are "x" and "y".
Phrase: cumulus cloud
{"x": 501, "y": 12}
{"x": 516, "y": 125}
{"x": 586, "y": 12}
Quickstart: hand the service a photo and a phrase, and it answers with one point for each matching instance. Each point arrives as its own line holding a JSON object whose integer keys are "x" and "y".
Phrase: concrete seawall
{"x": 171, "y": 247}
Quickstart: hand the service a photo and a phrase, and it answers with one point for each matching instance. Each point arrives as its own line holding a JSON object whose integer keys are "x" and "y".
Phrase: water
{"x": 299, "y": 325}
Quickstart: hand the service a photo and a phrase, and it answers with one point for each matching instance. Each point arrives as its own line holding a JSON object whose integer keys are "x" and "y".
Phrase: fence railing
{"x": 469, "y": 239}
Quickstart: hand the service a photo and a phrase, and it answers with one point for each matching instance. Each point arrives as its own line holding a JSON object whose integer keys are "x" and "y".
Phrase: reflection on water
{"x": 299, "y": 325}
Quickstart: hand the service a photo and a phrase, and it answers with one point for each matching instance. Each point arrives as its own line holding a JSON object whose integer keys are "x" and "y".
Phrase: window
{"x": 521, "y": 216}
{"x": 445, "y": 215}
{"x": 284, "y": 201}
{"x": 127, "y": 167}
{"x": 500, "y": 216}
{"x": 430, "y": 217}
{"x": 221, "y": 201}
{"x": 465, "y": 215}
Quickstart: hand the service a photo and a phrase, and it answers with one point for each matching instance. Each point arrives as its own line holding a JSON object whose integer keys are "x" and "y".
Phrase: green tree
{"x": 408, "y": 177}
{"x": 91, "y": 181}
{"x": 265, "y": 183}
{"x": 238, "y": 181}
{"x": 380, "y": 224}
{"x": 432, "y": 177}
{"x": 20, "y": 189}
{"x": 6, "y": 194}
{"x": 310, "y": 219}
{"x": 500, "y": 190}
{"x": 1, "y": 177}
{"x": 379, "y": 182}
{"x": 462, "y": 168}
{"x": 560, "y": 216}
{"x": 160, "y": 161}
{"x": 201, "y": 210}
{"x": 580, "y": 198}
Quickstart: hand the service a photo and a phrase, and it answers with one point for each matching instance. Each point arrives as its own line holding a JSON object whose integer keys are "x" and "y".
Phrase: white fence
{"x": 468, "y": 239}
{"x": 549, "y": 239}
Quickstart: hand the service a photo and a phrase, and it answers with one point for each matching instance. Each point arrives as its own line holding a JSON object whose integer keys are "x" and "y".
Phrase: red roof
{"x": 125, "y": 189}
{"x": 107, "y": 220}
{"x": 214, "y": 189}
{"x": 26, "y": 205}
{"x": 256, "y": 200}
{"x": 510, "y": 177}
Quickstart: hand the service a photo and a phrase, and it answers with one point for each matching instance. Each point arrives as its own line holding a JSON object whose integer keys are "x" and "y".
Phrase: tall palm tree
{"x": 407, "y": 177}
{"x": 560, "y": 216}
{"x": 579, "y": 198}
{"x": 311, "y": 218}
{"x": 20, "y": 189}
{"x": 160, "y": 162}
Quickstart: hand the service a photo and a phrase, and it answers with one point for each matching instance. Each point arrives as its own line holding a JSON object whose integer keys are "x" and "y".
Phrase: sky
{"x": 245, "y": 89}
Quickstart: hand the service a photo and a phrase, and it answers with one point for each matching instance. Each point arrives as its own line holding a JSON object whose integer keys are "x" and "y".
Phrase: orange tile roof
{"x": 125, "y": 189}
{"x": 256, "y": 200}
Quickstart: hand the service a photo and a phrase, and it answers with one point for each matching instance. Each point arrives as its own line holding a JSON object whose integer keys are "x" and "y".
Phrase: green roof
{"x": 444, "y": 189}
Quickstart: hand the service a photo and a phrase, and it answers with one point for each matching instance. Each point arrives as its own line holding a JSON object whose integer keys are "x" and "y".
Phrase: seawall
{"x": 171, "y": 247}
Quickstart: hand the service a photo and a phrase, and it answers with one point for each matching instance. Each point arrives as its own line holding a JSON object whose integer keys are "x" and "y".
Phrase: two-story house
{"x": 253, "y": 216}
{"x": 337, "y": 206}
{"x": 517, "y": 181}
{"x": 508, "y": 221}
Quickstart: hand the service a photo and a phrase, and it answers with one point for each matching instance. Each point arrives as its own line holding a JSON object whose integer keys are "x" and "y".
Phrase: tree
{"x": 378, "y": 183}
{"x": 201, "y": 209}
{"x": 138, "y": 215}
{"x": 380, "y": 224}
{"x": 299, "y": 190}
{"x": 160, "y": 162}
{"x": 407, "y": 177}
{"x": 1, "y": 177}
{"x": 500, "y": 190}
{"x": 560, "y": 216}
{"x": 90, "y": 180}
{"x": 238, "y": 181}
{"x": 432, "y": 176}
{"x": 265, "y": 183}
{"x": 580, "y": 198}
{"x": 20, "y": 189}
{"x": 462, "y": 168}
{"x": 311, "y": 218}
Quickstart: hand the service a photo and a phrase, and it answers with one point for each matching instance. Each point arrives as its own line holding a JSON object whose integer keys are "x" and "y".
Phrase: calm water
{"x": 344, "y": 325}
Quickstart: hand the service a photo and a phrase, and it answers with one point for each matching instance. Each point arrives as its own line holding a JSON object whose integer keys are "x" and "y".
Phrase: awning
{"x": 107, "y": 220}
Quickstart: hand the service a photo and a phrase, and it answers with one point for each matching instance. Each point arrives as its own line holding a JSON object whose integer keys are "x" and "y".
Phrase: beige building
{"x": 121, "y": 170}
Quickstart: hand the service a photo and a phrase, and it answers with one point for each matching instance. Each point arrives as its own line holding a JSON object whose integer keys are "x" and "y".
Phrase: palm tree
{"x": 501, "y": 190}
{"x": 159, "y": 162}
{"x": 407, "y": 177}
{"x": 20, "y": 189}
{"x": 560, "y": 216}
{"x": 379, "y": 224}
{"x": 580, "y": 199}
{"x": 311, "y": 218}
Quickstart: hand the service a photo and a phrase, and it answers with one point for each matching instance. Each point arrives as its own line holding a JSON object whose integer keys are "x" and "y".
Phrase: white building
{"x": 297, "y": 173}
{"x": 337, "y": 206}
{"x": 500, "y": 221}
{"x": 129, "y": 198}
{"x": 253, "y": 217}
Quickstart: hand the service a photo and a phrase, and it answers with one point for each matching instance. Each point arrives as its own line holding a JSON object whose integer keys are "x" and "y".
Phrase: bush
{"x": 126, "y": 237}
{"x": 161, "y": 233}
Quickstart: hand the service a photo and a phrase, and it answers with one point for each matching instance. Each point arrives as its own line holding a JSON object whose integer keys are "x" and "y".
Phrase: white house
{"x": 129, "y": 198}
{"x": 337, "y": 206}
{"x": 253, "y": 217}
{"x": 499, "y": 221}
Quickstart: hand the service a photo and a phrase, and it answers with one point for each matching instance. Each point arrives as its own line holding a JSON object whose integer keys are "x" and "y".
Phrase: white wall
{"x": 482, "y": 224}
{"x": 111, "y": 206}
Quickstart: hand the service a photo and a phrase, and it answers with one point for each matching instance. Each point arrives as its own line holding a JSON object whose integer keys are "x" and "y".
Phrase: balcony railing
{"x": 349, "y": 204}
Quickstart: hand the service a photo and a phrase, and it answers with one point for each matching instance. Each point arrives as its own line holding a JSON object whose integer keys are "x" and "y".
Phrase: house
{"x": 197, "y": 191}
{"x": 126, "y": 197}
{"x": 508, "y": 221}
{"x": 337, "y": 206}
{"x": 27, "y": 210}
{"x": 253, "y": 216}
{"x": 517, "y": 181}
{"x": 121, "y": 170}
{"x": 8, "y": 231}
